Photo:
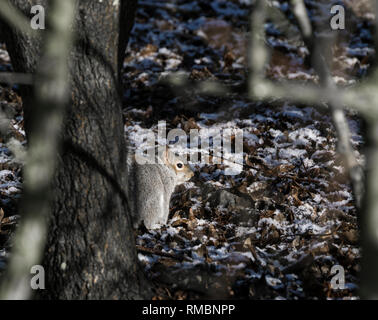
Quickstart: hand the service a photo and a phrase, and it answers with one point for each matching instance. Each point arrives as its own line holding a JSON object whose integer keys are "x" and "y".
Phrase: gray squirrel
{"x": 151, "y": 185}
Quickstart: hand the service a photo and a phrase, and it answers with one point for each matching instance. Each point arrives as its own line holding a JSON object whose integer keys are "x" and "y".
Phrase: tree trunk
{"x": 90, "y": 251}
{"x": 369, "y": 219}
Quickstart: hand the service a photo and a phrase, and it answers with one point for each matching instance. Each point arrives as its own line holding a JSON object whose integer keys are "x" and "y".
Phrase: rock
{"x": 230, "y": 200}
{"x": 242, "y": 205}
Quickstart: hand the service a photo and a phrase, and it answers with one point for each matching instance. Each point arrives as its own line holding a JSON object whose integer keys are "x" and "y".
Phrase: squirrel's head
{"x": 182, "y": 170}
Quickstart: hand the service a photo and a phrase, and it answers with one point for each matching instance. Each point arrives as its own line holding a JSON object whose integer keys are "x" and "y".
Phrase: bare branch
{"x": 300, "y": 13}
{"x": 345, "y": 148}
{"x": 258, "y": 55}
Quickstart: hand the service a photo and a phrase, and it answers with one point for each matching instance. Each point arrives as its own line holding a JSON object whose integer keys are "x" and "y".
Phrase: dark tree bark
{"x": 90, "y": 251}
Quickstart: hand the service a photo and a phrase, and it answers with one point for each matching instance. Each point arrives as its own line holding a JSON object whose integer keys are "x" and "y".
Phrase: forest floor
{"x": 275, "y": 230}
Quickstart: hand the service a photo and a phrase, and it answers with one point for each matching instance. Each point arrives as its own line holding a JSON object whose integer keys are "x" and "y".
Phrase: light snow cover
{"x": 290, "y": 214}
{"x": 291, "y": 167}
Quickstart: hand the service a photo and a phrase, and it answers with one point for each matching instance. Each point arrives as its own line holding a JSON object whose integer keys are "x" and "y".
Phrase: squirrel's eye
{"x": 179, "y": 165}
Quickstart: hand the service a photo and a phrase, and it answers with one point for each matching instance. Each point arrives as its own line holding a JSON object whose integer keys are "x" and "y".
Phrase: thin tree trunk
{"x": 90, "y": 251}
{"x": 51, "y": 97}
{"x": 369, "y": 219}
